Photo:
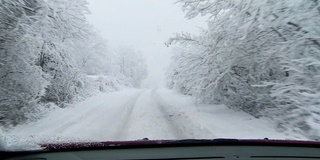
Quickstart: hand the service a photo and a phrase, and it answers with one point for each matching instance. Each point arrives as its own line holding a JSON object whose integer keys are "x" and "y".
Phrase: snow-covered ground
{"x": 151, "y": 113}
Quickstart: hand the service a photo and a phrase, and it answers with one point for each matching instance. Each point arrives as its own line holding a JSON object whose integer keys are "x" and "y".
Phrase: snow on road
{"x": 154, "y": 114}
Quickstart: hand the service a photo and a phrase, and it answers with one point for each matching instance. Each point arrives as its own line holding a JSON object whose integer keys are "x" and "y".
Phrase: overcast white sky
{"x": 143, "y": 25}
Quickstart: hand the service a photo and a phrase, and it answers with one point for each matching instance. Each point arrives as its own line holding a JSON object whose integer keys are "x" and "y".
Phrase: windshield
{"x": 123, "y": 70}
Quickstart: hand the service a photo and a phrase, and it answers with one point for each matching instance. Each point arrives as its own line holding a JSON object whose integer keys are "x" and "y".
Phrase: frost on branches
{"x": 22, "y": 81}
{"x": 262, "y": 57}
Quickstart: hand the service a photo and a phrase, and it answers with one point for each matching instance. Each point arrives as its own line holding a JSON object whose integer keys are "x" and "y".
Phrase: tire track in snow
{"x": 147, "y": 120}
{"x": 166, "y": 118}
{"x": 181, "y": 125}
{"x": 174, "y": 128}
{"x": 122, "y": 126}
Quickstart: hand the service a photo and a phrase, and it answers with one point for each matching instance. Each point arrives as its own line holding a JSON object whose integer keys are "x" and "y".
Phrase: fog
{"x": 144, "y": 25}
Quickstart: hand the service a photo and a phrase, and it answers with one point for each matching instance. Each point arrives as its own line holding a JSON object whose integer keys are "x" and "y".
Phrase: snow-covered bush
{"x": 97, "y": 84}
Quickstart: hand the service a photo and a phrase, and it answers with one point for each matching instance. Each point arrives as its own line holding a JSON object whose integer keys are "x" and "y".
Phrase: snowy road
{"x": 155, "y": 114}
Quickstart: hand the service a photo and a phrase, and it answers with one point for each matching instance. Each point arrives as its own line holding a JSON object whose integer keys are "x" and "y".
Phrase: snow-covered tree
{"x": 94, "y": 58}
{"x": 130, "y": 66}
{"x": 64, "y": 28}
{"x": 257, "y": 56}
{"x": 37, "y": 41}
{"x": 21, "y": 80}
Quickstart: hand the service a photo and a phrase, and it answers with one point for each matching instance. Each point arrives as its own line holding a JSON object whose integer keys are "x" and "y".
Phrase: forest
{"x": 261, "y": 57}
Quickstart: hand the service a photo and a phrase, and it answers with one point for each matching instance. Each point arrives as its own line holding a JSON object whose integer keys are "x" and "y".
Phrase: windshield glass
{"x": 122, "y": 70}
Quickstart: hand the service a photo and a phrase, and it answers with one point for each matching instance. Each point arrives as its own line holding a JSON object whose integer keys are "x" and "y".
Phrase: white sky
{"x": 143, "y": 25}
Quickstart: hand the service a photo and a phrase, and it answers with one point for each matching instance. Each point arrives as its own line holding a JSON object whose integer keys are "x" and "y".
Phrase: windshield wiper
{"x": 176, "y": 143}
